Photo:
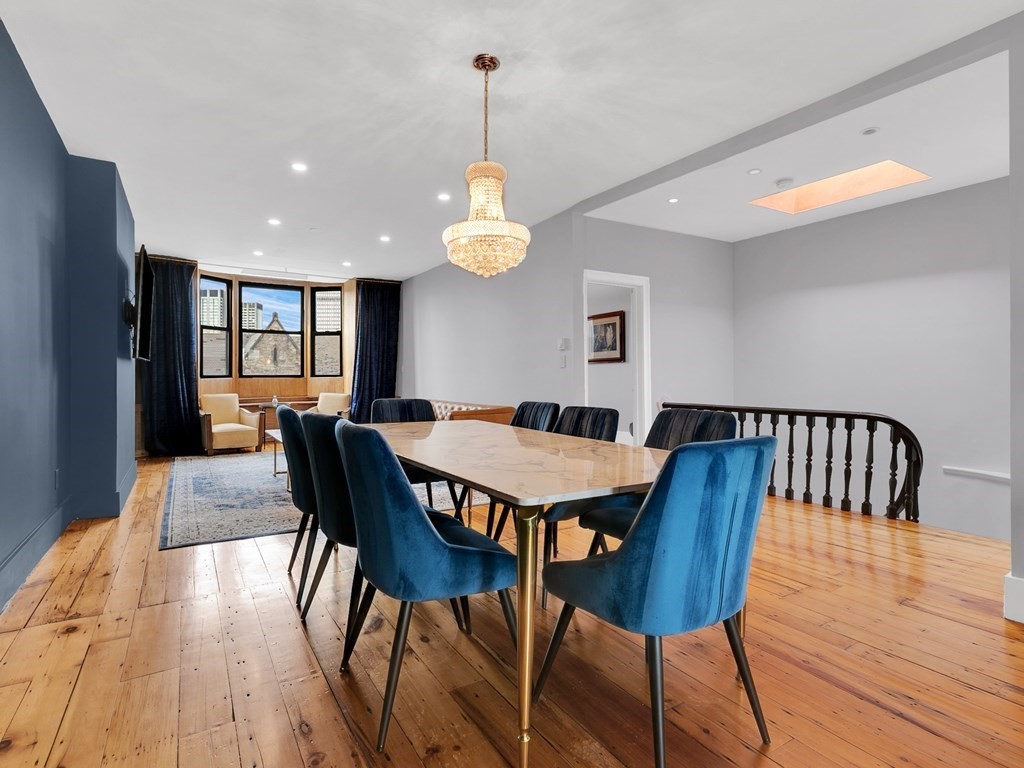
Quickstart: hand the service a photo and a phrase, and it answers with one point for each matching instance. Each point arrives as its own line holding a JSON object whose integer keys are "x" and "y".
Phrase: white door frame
{"x": 640, "y": 307}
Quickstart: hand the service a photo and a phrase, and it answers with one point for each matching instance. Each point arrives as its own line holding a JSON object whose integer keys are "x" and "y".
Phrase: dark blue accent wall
{"x": 66, "y": 256}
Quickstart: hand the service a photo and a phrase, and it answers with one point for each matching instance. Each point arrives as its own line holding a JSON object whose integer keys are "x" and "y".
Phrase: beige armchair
{"x": 226, "y": 426}
{"x": 333, "y": 404}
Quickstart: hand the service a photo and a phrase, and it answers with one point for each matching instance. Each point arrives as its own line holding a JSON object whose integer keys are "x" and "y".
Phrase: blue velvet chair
{"x": 397, "y": 409}
{"x": 683, "y": 565}
{"x": 529, "y": 414}
{"x": 403, "y": 555}
{"x": 335, "y": 506}
{"x": 613, "y": 515}
{"x": 303, "y": 492}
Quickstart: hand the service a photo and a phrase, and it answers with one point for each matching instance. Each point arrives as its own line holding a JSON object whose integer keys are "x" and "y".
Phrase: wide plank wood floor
{"x": 872, "y": 643}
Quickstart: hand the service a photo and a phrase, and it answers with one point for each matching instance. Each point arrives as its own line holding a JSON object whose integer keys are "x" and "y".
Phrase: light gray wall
{"x": 1017, "y": 277}
{"x": 903, "y": 310}
{"x": 492, "y": 340}
{"x": 612, "y": 385}
{"x": 691, "y": 304}
{"x": 496, "y": 340}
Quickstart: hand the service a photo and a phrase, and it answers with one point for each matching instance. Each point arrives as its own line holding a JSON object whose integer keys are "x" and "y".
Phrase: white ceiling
{"x": 954, "y": 128}
{"x": 203, "y": 105}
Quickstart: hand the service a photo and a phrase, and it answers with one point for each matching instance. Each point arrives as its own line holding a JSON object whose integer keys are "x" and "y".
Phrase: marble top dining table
{"x": 529, "y": 470}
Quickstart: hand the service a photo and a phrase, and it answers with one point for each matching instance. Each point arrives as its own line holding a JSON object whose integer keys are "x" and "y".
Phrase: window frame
{"x": 242, "y": 285}
{"x": 313, "y": 333}
{"x": 226, "y": 328}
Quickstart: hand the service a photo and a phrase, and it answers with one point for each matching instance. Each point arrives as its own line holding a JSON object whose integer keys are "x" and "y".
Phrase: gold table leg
{"x": 526, "y": 567}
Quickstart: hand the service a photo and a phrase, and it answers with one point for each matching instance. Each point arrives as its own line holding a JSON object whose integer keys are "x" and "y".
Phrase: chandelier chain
{"x": 486, "y": 89}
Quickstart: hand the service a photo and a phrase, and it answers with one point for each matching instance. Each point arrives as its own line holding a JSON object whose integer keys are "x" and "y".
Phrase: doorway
{"x": 626, "y": 385}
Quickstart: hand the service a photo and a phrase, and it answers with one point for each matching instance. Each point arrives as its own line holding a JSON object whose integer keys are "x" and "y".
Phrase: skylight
{"x": 868, "y": 180}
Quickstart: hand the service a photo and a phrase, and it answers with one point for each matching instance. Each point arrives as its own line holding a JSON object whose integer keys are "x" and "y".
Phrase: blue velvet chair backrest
{"x": 677, "y": 426}
{"x": 685, "y": 562}
{"x": 391, "y": 409}
{"x": 585, "y": 421}
{"x": 534, "y": 415}
{"x": 332, "y": 496}
{"x": 400, "y": 551}
{"x": 300, "y": 472}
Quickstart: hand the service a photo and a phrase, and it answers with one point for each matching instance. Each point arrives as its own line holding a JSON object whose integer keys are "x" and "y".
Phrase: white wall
{"x": 612, "y": 385}
{"x": 492, "y": 340}
{"x": 903, "y": 310}
{"x": 691, "y": 304}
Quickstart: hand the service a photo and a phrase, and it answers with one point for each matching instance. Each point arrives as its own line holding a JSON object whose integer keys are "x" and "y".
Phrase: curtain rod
{"x": 376, "y": 280}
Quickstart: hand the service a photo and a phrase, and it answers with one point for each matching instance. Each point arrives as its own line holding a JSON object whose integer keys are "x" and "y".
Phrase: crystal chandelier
{"x": 486, "y": 244}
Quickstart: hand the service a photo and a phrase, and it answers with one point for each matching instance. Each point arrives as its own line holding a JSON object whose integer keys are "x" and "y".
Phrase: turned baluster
{"x": 846, "y": 504}
{"x": 774, "y": 420}
{"x": 830, "y": 425}
{"x": 910, "y": 500}
{"x": 869, "y": 461}
{"x": 741, "y": 416}
{"x": 757, "y": 424}
{"x": 808, "y": 497}
{"x": 890, "y": 510}
{"x": 791, "y": 419}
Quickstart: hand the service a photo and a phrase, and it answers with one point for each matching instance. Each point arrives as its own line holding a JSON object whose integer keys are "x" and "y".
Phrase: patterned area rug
{"x": 224, "y": 497}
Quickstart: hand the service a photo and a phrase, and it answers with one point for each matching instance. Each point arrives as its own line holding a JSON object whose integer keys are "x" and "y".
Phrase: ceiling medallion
{"x": 486, "y": 244}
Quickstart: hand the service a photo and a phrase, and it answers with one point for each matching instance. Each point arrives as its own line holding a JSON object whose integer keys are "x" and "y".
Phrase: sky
{"x": 287, "y": 304}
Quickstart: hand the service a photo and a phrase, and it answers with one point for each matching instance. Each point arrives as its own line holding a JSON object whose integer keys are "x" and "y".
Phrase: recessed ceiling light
{"x": 754, "y": 171}
{"x": 257, "y": 253}
{"x": 274, "y": 222}
{"x": 859, "y": 182}
{"x": 673, "y": 199}
{"x": 444, "y": 197}
{"x": 346, "y": 263}
{"x": 300, "y": 167}
{"x": 385, "y": 238}
{"x": 870, "y": 131}
{"x": 783, "y": 183}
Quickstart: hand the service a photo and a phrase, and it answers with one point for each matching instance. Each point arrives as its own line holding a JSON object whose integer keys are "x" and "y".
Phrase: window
{"x": 326, "y": 331}
{"x": 214, "y": 328}
{"x": 271, "y": 330}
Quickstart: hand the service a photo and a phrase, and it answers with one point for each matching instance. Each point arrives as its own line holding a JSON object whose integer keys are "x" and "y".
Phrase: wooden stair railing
{"x": 900, "y": 438}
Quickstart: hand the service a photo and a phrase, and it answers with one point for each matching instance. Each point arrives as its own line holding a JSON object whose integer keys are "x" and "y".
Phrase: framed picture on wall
{"x": 606, "y": 337}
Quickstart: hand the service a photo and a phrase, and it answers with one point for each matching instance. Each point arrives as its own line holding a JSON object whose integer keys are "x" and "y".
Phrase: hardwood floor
{"x": 872, "y": 644}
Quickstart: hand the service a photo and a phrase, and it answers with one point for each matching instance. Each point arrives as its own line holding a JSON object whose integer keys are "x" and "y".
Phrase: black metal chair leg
{"x": 353, "y": 600}
{"x": 656, "y": 673}
{"x": 732, "y": 631}
{"x": 298, "y": 541}
{"x": 430, "y": 495}
{"x": 457, "y": 501}
{"x": 548, "y": 544}
{"x": 492, "y": 508}
{"x": 465, "y": 615}
{"x": 352, "y": 632}
{"x": 554, "y": 540}
{"x": 310, "y": 548}
{"x": 457, "y": 613}
{"x": 595, "y": 545}
{"x": 394, "y": 670}
{"x": 510, "y": 615}
{"x": 556, "y": 641}
{"x": 505, "y": 509}
{"x": 325, "y": 556}
{"x": 604, "y": 543}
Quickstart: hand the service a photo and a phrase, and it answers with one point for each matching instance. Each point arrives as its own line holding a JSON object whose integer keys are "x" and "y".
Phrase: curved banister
{"x": 899, "y": 434}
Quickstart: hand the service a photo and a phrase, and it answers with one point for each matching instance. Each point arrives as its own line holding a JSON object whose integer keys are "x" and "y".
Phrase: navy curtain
{"x": 169, "y": 387}
{"x": 376, "y": 363}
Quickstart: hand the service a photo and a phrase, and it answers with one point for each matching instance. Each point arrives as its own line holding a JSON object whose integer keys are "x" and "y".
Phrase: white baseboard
{"x": 1013, "y": 598}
